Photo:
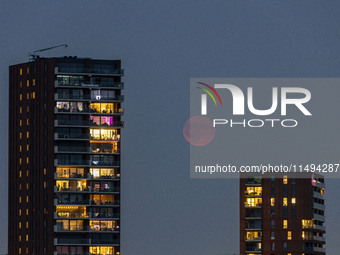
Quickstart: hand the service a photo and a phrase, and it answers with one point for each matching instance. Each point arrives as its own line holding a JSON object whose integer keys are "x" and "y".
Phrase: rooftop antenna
{"x": 33, "y": 55}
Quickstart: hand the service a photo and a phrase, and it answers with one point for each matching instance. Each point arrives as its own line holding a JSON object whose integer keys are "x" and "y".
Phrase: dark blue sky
{"x": 162, "y": 45}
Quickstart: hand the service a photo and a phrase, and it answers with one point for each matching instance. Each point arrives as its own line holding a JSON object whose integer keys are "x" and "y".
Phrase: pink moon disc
{"x": 199, "y": 130}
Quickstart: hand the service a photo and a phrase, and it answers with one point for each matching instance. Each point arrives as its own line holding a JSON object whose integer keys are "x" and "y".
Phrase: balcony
{"x": 60, "y": 228}
{"x": 252, "y": 205}
{"x": 69, "y": 136}
{"x": 319, "y": 238}
{"x": 318, "y": 227}
{"x": 105, "y": 190}
{"x": 87, "y": 97}
{"x": 106, "y": 177}
{"x": 318, "y": 206}
{"x": 105, "y": 163}
{"x": 89, "y": 71}
{"x": 319, "y": 185}
{"x": 82, "y": 84}
{"x": 71, "y": 215}
{"x": 70, "y": 241}
{"x": 318, "y": 195}
{"x": 318, "y": 217}
{"x": 87, "y": 111}
{"x": 72, "y": 176}
{"x": 72, "y": 149}
{"x": 105, "y": 203}
{"x": 105, "y": 215}
{"x": 75, "y": 202}
{"x": 72, "y": 189}
{"x": 69, "y": 162}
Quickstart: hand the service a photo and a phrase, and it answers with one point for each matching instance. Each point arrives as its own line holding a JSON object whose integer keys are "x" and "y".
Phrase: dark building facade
{"x": 64, "y": 156}
{"x": 282, "y": 216}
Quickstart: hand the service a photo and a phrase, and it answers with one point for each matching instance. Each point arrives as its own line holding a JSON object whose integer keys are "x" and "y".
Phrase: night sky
{"x": 162, "y": 44}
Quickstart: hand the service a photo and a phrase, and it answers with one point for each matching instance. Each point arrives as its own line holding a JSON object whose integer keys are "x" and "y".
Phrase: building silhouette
{"x": 64, "y": 156}
{"x": 282, "y": 215}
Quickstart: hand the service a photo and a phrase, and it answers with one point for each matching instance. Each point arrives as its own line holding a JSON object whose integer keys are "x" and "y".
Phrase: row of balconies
{"x": 88, "y": 241}
{"x": 85, "y": 215}
{"x": 89, "y": 71}
{"x": 88, "y": 189}
{"x": 82, "y": 84}
{"x": 84, "y": 149}
{"x": 87, "y": 97}
{"x": 57, "y": 110}
{"x": 59, "y": 228}
{"x": 86, "y": 202}
{"x": 86, "y": 123}
{"x": 318, "y": 195}
{"x": 86, "y": 176}
{"x": 86, "y": 163}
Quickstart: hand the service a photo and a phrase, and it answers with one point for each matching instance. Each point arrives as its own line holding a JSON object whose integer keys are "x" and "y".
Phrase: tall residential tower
{"x": 64, "y": 156}
{"x": 282, "y": 216}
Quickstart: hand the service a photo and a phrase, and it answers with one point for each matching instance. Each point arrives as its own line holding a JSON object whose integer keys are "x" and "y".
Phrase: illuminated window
{"x": 20, "y": 248}
{"x": 19, "y": 238}
{"x": 20, "y": 71}
{"x": 293, "y": 200}
{"x": 285, "y": 179}
{"x": 33, "y": 82}
{"x": 289, "y": 235}
{"x": 19, "y": 212}
{"x": 19, "y": 186}
{"x": 26, "y": 224}
{"x": 26, "y": 199}
{"x": 19, "y": 161}
{"x": 27, "y": 160}
{"x": 272, "y": 201}
{"x": 20, "y": 135}
{"x": 307, "y": 223}
{"x": 33, "y": 95}
{"x": 27, "y": 173}
{"x": 254, "y": 191}
{"x": 26, "y": 238}
{"x": 285, "y": 224}
{"x": 20, "y": 148}
{"x": 28, "y": 70}
{"x": 20, "y": 199}
{"x": 26, "y": 211}
{"x": 253, "y": 202}
{"x": 44, "y": 171}
{"x": 303, "y": 235}
{"x": 28, "y": 109}
{"x": 19, "y": 225}
{"x": 20, "y": 97}
{"x": 28, "y": 83}
{"x": 28, "y": 134}
{"x": 27, "y": 121}
{"x": 20, "y": 123}
{"x": 28, "y": 147}
{"x": 20, "y": 174}
{"x": 285, "y": 201}
{"x": 28, "y": 96}
{"x": 20, "y": 109}
{"x": 253, "y": 236}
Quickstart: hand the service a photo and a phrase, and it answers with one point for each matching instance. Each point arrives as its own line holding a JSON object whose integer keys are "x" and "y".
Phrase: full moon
{"x": 199, "y": 130}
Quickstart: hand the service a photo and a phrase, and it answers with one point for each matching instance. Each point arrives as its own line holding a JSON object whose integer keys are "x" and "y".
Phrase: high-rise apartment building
{"x": 282, "y": 216}
{"x": 64, "y": 156}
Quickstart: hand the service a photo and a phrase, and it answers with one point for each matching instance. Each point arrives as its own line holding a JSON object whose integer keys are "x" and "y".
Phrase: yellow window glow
{"x": 285, "y": 179}
{"x": 285, "y": 224}
{"x": 293, "y": 200}
{"x": 272, "y": 201}
{"x": 289, "y": 235}
{"x": 285, "y": 201}
{"x": 20, "y": 71}
{"x": 28, "y": 83}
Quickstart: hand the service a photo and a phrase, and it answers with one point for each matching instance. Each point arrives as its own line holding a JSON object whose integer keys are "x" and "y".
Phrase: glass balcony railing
{"x": 73, "y": 136}
{"x": 72, "y": 215}
{"x": 107, "y": 71}
{"x": 105, "y": 163}
{"x": 96, "y": 202}
{"x": 72, "y": 202}
{"x": 88, "y": 110}
{"x": 90, "y": 84}
{"x": 105, "y": 215}
{"x": 71, "y": 241}
{"x": 71, "y": 162}
{"x": 89, "y": 123}
{"x": 88, "y": 97}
